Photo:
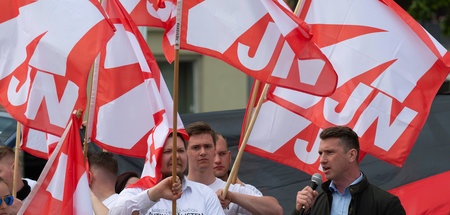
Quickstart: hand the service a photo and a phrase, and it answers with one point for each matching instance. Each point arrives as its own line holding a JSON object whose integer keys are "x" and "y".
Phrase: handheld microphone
{"x": 316, "y": 180}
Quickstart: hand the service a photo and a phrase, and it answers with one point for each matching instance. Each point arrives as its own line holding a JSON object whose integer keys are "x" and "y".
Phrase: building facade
{"x": 205, "y": 83}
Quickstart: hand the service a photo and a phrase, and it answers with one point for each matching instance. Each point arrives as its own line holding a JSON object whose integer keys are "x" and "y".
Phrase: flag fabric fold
{"x": 38, "y": 143}
{"x": 132, "y": 97}
{"x": 48, "y": 47}
{"x": 261, "y": 38}
{"x": 156, "y": 13}
{"x": 388, "y": 77}
{"x": 62, "y": 187}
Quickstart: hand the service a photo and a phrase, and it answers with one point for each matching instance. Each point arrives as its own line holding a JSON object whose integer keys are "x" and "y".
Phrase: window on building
{"x": 185, "y": 85}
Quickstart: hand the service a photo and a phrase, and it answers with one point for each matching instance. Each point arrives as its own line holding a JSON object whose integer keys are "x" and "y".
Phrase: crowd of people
{"x": 203, "y": 167}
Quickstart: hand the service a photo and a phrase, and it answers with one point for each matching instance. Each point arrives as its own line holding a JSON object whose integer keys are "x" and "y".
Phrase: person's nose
{"x": 217, "y": 159}
{"x": 323, "y": 159}
{"x": 178, "y": 157}
{"x": 202, "y": 151}
{"x": 3, "y": 205}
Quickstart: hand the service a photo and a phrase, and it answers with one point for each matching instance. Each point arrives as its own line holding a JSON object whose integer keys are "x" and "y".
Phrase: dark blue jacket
{"x": 367, "y": 199}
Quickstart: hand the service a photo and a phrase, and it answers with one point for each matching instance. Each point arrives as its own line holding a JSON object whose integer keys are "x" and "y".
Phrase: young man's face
{"x": 334, "y": 158}
{"x": 7, "y": 171}
{"x": 222, "y": 159}
{"x": 200, "y": 151}
{"x": 166, "y": 158}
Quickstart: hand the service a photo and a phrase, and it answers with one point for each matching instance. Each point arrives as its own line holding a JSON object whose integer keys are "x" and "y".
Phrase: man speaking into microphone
{"x": 347, "y": 190}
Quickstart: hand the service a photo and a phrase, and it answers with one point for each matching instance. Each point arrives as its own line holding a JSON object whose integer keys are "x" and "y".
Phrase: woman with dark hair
{"x": 125, "y": 179}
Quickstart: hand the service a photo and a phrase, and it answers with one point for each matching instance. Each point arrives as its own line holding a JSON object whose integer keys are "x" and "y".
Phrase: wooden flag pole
{"x": 297, "y": 7}
{"x": 244, "y": 141}
{"x": 175, "y": 98}
{"x": 16, "y": 160}
{"x": 252, "y": 103}
{"x": 247, "y": 120}
{"x": 175, "y": 120}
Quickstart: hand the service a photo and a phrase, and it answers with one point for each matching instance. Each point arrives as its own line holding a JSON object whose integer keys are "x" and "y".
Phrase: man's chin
{"x": 329, "y": 176}
{"x": 220, "y": 175}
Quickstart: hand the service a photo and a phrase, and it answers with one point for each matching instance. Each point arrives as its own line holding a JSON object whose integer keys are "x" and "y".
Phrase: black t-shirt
{"x": 23, "y": 193}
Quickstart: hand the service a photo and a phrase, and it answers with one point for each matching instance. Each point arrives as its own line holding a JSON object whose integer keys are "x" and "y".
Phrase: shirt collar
{"x": 334, "y": 189}
{"x": 186, "y": 184}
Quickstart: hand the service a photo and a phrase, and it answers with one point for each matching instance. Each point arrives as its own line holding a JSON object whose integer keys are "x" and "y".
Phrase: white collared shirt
{"x": 197, "y": 199}
{"x": 232, "y": 207}
{"x": 108, "y": 202}
{"x": 341, "y": 201}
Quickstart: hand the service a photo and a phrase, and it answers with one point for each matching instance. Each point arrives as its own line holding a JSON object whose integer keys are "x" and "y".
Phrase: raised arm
{"x": 254, "y": 204}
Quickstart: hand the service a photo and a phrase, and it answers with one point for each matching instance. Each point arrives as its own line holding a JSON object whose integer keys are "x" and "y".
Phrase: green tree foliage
{"x": 432, "y": 11}
{"x": 435, "y": 11}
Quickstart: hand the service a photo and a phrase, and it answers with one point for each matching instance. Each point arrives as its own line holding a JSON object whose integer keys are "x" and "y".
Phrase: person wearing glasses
{"x": 8, "y": 204}
{"x": 24, "y": 185}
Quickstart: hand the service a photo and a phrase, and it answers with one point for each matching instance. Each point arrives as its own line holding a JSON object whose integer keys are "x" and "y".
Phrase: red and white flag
{"x": 63, "y": 186}
{"x": 38, "y": 143}
{"x": 389, "y": 72}
{"x": 156, "y": 13}
{"x": 47, "y": 48}
{"x": 262, "y": 38}
{"x": 132, "y": 97}
{"x": 416, "y": 197}
{"x": 151, "y": 173}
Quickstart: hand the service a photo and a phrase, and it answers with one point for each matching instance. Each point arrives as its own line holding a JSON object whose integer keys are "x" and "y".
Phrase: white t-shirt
{"x": 254, "y": 189}
{"x": 232, "y": 207}
{"x": 108, "y": 202}
{"x": 197, "y": 199}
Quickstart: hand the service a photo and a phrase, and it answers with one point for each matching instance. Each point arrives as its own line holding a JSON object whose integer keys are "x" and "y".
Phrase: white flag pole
{"x": 91, "y": 104}
{"x": 91, "y": 100}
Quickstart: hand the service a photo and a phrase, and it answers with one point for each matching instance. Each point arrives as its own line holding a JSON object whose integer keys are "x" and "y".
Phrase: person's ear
{"x": 12, "y": 166}
{"x": 90, "y": 176}
{"x": 352, "y": 153}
